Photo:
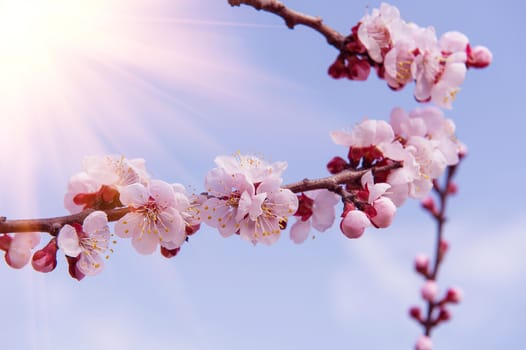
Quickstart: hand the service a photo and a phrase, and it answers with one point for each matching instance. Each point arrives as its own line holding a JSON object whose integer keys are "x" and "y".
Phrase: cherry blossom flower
{"x": 97, "y": 186}
{"x": 440, "y": 67}
{"x": 316, "y": 209}
{"x": 253, "y": 168}
{"x": 155, "y": 216}
{"x": 20, "y": 248}
{"x": 86, "y": 243}
{"x": 367, "y": 133}
{"x": 244, "y": 196}
{"x": 424, "y": 343}
{"x": 377, "y": 30}
{"x": 261, "y": 214}
{"x": 224, "y": 190}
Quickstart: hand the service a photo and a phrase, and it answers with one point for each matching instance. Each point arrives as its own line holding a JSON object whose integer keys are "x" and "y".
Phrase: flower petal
{"x": 68, "y": 241}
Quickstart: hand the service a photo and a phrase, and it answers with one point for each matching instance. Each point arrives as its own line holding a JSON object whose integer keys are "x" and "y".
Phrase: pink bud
{"x": 452, "y": 188}
{"x": 429, "y": 204}
{"x": 429, "y": 290}
{"x": 354, "y": 223}
{"x": 454, "y": 295}
{"x": 444, "y": 314}
{"x": 422, "y": 264}
{"x": 424, "y": 343}
{"x": 415, "y": 313}
{"x": 385, "y": 211}
{"x": 45, "y": 259}
{"x": 479, "y": 57}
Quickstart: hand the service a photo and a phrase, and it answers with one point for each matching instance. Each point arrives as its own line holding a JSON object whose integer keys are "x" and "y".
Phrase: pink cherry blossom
{"x": 111, "y": 171}
{"x": 86, "y": 242}
{"x": 479, "y": 57}
{"x": 354, "y": 223}
{"x": 224, "y": 189}
{"x": 262, "y": 213}
{"x": 424, "y": 343}
{"x": 155, "y": 216}
{"x": 367, "y": 133}
{"x": 20, "y": 249}
{"x": 316, "y": 209}
{"x": 378, "y": 30}
{"x": 253, "y": 168}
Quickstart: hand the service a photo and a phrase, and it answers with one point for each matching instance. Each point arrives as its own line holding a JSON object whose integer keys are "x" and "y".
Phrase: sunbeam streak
{"x": 86, "y": 77}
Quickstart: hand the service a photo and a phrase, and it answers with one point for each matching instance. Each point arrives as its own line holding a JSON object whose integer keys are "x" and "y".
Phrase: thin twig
{"x": 293, "y": 18}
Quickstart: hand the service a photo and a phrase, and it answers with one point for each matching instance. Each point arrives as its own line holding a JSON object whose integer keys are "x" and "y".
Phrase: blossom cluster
{"x": 402, "y": 52}
{"x": 424, "y": 143}
{"x": 244, "y": 195}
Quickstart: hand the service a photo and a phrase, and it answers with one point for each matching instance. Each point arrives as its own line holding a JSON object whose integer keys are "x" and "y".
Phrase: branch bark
{"x": 293, "y": 18}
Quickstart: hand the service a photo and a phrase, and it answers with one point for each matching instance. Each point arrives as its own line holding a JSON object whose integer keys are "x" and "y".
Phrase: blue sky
{"x": 192, "y": 81}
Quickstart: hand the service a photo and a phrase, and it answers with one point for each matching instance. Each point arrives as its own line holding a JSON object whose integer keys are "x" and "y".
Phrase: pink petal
{"x": 299, "y": 231}
{"x": 163, "y": 193}
{"x": 68, "y": 241}
{"x": 95, "y": 222}
{"x": 130, "y": 225}
{"x": 90, "y": 263}
{"x": 134, "y": 195}
{"x": 146, "y": 243}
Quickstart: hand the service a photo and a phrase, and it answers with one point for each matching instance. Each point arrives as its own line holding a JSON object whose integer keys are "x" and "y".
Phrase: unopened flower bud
{"x": 424, "y": 343}
{"x": 429, "y": 291}
{"x": 429, "y": 205}
{"x": 422, "y": 264}
{"x": 354, "y": 223}
{"x": 454, "y": 295}
{"x": 479, "y": 57}
{"x": 444, "y": 314}
{"x": 45, "y": 259}
{"x": 415, "y": 313}
{"x": 337, "y": 69}
{"x": 336, "y": 165}
{"x": 452, "y": 188}
{"x": 358, "y": 69}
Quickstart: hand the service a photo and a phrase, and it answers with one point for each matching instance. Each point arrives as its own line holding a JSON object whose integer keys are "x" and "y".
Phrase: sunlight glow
{"x": 89, "y": 77}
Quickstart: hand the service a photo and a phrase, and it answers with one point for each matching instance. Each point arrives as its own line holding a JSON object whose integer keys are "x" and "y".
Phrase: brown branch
{"x": 331, "y": 182}
{"x": 293, "y": 18}
{"x": 53, "y": 225}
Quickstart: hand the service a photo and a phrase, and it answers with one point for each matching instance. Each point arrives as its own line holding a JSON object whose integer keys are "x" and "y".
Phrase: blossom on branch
{"x": 155, "y": 217}
{"x": 97, "y": 186}
{"x": 315, "y": 209}
{"x": 85, "y": 243}
{"x": 245, "y": 197}
{"x": 19, "y": 247}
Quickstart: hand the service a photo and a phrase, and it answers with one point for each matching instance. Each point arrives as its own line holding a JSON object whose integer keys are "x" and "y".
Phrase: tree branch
{"x": 293, "y": 18}
{"x": 53, "y": 225}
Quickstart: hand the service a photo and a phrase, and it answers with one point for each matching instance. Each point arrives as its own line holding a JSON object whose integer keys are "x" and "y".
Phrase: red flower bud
{"x": 45, "y": 259}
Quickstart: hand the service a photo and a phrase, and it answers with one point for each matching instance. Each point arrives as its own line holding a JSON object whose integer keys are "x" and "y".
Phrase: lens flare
{"x": 87, "y": 77}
